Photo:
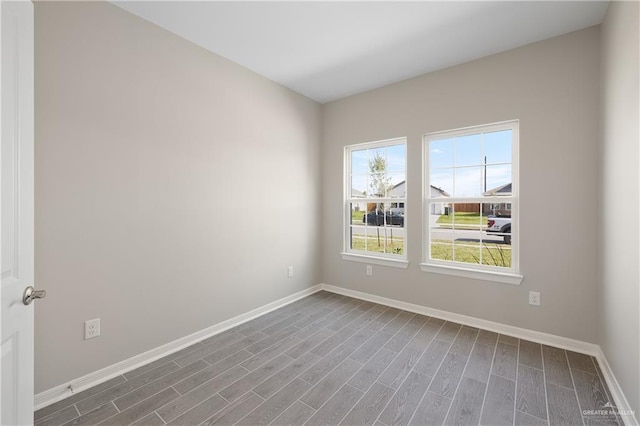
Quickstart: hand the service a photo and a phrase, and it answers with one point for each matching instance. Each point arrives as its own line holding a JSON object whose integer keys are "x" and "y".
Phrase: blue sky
{"x": 459, "y": 160}
{"x": 457, "y": 164}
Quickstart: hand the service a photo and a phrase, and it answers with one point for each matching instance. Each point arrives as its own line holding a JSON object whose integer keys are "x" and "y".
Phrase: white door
{"x": 16, "y": 205}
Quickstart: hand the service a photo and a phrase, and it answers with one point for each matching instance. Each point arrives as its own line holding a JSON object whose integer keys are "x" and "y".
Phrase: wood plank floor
{"x": 328, "y": 359}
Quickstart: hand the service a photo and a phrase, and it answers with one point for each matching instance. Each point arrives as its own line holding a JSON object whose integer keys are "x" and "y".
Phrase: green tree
{"x": 379, "y": 182}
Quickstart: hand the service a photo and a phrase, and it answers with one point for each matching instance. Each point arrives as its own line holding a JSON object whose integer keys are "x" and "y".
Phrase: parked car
{"x": 500, "y": 225}
{"x": 395, "y": 217}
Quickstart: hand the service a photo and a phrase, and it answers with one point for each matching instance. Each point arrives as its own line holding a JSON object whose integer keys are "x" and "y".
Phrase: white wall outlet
{"x": 91, "y": 328}
{"x": 290, "y": 271}
{"x": 534, "y": 298}
{"x": 369, "y": 270}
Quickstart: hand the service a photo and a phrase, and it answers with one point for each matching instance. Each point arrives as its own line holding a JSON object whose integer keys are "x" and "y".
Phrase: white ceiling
{"x": 329, "y": 50}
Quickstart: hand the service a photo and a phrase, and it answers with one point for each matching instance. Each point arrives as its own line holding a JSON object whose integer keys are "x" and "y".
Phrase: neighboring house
{"x": 400, "y": 190}
{"x": 359, "y": 193}
{"x": 438, "y": 208}
{"x": 503, "y": 209}
{"x": 397, "y": 191}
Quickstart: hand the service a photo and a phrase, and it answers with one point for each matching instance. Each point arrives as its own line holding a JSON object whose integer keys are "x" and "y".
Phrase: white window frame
{"x": 510, "y": 275}
{"x": 383, "y": 259}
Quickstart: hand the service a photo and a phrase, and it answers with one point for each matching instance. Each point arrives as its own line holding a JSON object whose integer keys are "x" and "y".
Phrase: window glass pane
{"x": 498, "y": 209}
{"x": 358, "y": 237}
{"x": 441, "y": 153}
{"x": 379, "y": 185}
{"x": 374, "y": 214}
{"x": 359, "y": 185}
{"x": 497, "y": 241}
{"x": 468, "y": 182}
{"x": 496, "y": 247}
{"x": 469, "y": 150}
{"x": 372, "y": 238}
{"x": 441, "y": 183}
{"x": 357, "y": 213}
{"x": 441, "y": 249}
{"x": 395, "y": 157}
{"x": 394, "y": 240}
{"x": 377, "y": 231}
{"x": 488, "y": 209}
{"x": 441, "y": 231}
{"x": 466, "y": 249}
{"x": 437, "y": 209}
{"x": 499, "y": 180}
{"x": 393, "y": 216}
{"x": 377, "y": 160}
{"x": 465, "y": 217}
{"x": 375, "y": 239}
{"x": 398, "y": 188}
{"x": 360, "y": 162}
{"x": 497, "y": 146}
{"x": 496, "y": 254}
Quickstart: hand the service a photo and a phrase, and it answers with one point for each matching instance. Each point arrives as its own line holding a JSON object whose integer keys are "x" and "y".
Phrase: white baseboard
{"x": 509, "y": 330}
{"x": 621, "y": 402}
{"x": 62, "y": 391}
{"x": 521, "y": 333}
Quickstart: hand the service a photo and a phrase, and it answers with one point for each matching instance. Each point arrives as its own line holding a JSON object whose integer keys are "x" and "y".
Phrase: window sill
{"x": 500, "y": 277}
{"x": 394, "y": 263}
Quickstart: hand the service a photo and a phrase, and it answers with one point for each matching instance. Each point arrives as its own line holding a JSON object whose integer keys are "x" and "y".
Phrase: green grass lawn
{"x": 469, "y": 252}
{"x": 463, "y": 220}
{"x": 393, "y": 245}
{"x": 356, "y": 217}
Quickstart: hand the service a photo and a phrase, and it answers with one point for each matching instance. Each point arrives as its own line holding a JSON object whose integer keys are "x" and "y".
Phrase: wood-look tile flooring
{"x": 329, "y": 359}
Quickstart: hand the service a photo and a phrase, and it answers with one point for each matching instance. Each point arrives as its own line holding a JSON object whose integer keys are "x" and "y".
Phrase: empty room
{"x": 320, "y": 213}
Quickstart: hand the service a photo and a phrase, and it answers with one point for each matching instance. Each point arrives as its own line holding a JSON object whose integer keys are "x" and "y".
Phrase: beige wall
{"x": 173, "y": 188}
{"x": 552, "y": 87}
{"x": 620, "y": 243}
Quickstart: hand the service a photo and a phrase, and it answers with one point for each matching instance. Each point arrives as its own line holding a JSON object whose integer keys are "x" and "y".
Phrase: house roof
{"x": 500, "y": 190}
{"x": 358, "y": 191}
{"x": 440, "y": 190}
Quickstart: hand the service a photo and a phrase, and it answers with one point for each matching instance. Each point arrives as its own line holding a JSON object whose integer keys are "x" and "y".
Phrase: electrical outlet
{"x": 91, "y": 328}
{"x": 534, "y": 298}
{"x": 290, "y": 271}
{"x": 369, "y": 270}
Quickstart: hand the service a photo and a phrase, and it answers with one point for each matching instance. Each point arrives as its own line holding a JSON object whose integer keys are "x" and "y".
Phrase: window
{"x": 474, "y": 172}
{"x": 375, "y": 201}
